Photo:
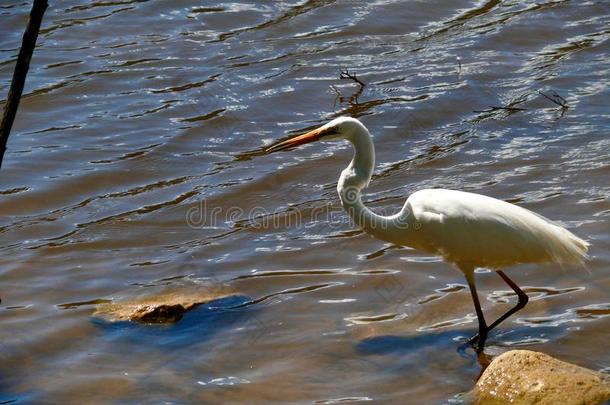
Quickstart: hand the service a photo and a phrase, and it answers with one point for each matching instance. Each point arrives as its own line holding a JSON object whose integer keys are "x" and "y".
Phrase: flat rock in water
{"x": 523, "y": 377}
{"x": 165, "y": 302}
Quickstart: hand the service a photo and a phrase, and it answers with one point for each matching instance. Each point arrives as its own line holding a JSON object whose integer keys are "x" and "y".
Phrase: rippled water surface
{"x": 137, "y": 159}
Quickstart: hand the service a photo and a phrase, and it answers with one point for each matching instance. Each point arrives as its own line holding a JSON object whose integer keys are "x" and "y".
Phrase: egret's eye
{"x": 331, "y": 131}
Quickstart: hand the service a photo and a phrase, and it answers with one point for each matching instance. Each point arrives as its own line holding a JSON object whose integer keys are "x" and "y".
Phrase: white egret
{"x": 466, "y": 229}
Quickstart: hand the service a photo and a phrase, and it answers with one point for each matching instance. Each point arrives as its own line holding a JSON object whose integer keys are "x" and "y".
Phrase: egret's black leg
{"x": 523, "y": 299}
{"x": 482, "y": 335}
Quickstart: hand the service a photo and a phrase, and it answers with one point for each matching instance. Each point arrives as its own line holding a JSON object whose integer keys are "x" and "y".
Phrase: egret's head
{"x": 337, "y": 129}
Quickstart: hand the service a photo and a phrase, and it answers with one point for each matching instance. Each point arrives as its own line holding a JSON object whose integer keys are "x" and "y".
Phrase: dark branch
{"x": 21, "y": 70}
{"x": 352, "y": 99}
{"x": 556, "y": 98}
{"x": 496, "y": 108}
{"x": 346, "y": 75}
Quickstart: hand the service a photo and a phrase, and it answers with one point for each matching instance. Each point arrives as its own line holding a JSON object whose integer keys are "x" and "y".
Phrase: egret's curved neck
{"x": 356, "y": 177}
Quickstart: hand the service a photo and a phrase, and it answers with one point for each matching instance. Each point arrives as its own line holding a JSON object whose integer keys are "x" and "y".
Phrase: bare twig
{"x": 21, "y": 70}
{"x": 555, "y": 98}
{"x": 496, "y": 108}
{"x": 346, "y": 75}
{"x": 352, "y": 99}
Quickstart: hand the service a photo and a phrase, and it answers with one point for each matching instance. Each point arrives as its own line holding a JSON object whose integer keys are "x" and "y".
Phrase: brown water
{"x": 137, "y": 157}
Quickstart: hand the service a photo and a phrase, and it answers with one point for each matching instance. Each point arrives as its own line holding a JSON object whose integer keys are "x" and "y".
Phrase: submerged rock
{"x": 160, "y": 303}
{"x": 523, "y": 377}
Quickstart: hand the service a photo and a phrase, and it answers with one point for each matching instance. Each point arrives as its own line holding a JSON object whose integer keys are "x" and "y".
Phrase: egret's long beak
{"x": 310, "y": 136}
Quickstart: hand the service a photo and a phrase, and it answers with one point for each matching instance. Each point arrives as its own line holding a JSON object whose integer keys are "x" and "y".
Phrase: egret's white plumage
{"x": 466, "y": 229}
{"x": 486, "y": 232}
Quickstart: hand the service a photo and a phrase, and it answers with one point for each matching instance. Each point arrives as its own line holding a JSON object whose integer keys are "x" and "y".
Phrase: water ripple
{"x": 574, "y": 315}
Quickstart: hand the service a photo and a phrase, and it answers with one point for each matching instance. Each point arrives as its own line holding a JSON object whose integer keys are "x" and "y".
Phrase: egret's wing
{"x": 484, "y": 231}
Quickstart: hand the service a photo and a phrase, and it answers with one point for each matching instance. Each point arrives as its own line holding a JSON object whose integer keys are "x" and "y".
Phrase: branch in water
{"x": 555, "y": 98}
{"x": 346, "y": 75}
{"x": 21, "y": 70}
{"x": 496, "y": 108}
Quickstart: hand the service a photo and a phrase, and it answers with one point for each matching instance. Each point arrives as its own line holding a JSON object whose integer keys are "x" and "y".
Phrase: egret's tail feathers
{"x": 565, "y": 247}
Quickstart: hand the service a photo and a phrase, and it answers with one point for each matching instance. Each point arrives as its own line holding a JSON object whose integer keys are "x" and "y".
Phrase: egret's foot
{"x": 477, "y": 343}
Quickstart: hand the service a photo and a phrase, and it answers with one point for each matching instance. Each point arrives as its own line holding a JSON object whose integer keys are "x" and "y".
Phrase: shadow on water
{"x": 523, "y": 336}
{"x": 196, "y": 327}
{"x": 456, "y": 340}
{"x": 389, "y": 344}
